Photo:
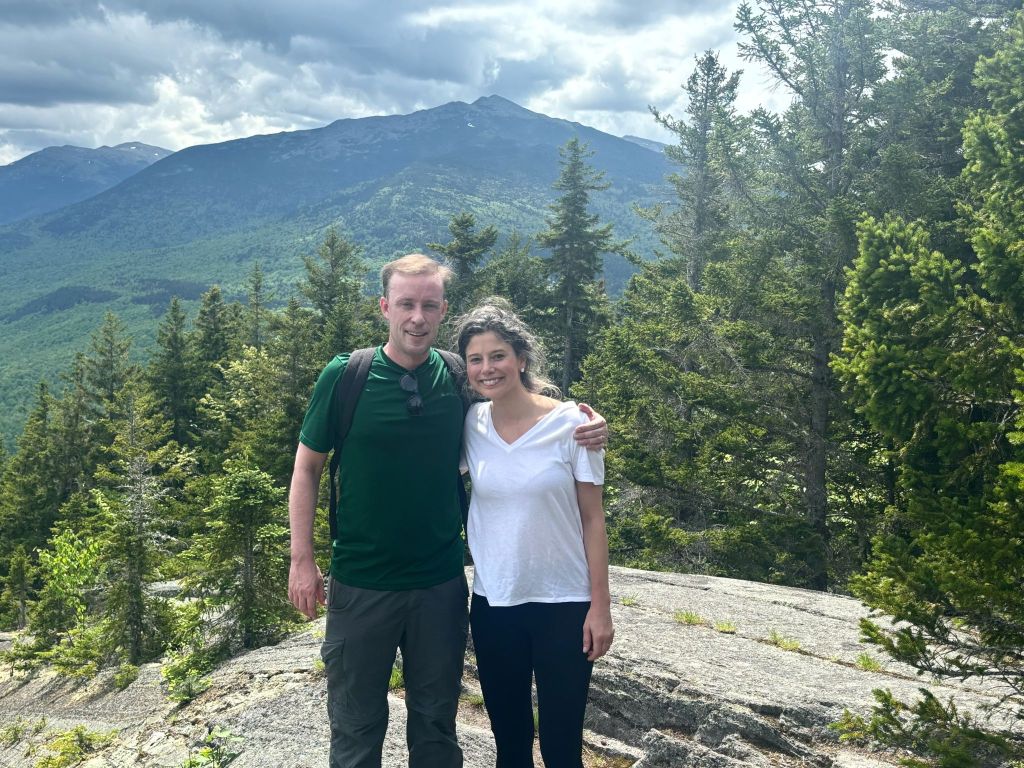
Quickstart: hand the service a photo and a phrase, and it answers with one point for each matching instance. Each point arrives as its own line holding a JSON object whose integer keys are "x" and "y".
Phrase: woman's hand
{"x": 598, "y": 632}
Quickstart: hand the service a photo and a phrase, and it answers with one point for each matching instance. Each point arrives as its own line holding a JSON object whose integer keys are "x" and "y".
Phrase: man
{"x": 396, "y": 576}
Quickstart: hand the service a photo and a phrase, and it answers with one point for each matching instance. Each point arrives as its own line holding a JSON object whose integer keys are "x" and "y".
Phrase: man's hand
{"x": 598, "y": 632}
{"x": 306, "y": 587}
{"x": 593, "y": 434}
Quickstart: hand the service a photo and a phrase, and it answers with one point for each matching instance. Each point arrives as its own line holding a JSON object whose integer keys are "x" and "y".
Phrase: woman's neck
{"x": 518, "y": 404}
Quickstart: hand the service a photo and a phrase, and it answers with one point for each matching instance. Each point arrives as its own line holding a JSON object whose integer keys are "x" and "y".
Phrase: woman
{"x": 536, "y": 531}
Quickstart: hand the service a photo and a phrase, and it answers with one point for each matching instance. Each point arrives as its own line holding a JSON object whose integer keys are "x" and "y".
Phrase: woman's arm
{"x": 597, "y": 628}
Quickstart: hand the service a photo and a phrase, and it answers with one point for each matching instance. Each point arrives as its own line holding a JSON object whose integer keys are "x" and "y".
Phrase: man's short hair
{"x": 414, "y": 264}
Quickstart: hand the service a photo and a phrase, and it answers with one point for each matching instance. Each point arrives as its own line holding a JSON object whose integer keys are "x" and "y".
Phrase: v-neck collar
{"x": 515, "y": 443}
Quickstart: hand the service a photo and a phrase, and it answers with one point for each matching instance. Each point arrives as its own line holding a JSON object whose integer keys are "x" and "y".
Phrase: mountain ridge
{"x": 58, "y": 176}
{"x": 206, "y": 214}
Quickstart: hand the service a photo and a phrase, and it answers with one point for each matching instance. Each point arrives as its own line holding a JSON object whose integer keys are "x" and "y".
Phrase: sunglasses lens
{"x": 409, "y": 384}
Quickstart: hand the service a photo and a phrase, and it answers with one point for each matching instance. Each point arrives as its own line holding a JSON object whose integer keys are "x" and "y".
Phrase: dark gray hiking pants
{"x": 364, "y": 628}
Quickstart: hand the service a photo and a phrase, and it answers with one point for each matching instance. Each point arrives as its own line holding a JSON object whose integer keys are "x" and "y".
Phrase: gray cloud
{"x": 180, "y": 72}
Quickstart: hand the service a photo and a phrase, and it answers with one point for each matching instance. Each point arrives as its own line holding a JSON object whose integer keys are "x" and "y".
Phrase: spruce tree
{"x": 171, "y": 373}
{"x": 333, "y": 284}
{"x": 932, "y": 357}
{"x": 464, "y": 254}
{"x": 577, "y": 242}
{"x": 240, "y": 565}
{"x": 697, "y": 228}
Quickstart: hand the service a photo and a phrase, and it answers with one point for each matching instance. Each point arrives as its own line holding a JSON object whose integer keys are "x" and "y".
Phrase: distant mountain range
{"x": 207, "y": 214}
{"x": 58, "y": 176}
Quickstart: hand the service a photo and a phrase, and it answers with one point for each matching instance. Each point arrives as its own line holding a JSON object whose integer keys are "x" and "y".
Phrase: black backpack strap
{"x": 346, "y": 395}
{"x": 457, "y": 368}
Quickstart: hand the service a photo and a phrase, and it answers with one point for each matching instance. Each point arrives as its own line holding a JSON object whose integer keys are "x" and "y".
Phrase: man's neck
{"x": 409, "y": 363}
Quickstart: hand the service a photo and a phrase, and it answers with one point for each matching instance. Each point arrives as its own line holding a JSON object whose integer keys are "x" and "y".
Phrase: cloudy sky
{"x": 180, "y": 72}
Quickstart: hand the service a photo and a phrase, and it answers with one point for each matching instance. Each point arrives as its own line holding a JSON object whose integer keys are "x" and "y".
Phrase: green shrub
{"x": 125, "y": 676}
{"x": 71, "y": 747}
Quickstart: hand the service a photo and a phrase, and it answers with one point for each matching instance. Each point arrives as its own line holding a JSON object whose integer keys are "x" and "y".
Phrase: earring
{"x": 523, "y": 369}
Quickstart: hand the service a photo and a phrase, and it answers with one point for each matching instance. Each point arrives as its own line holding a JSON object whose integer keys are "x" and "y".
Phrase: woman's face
{"x": 492, "y": 366}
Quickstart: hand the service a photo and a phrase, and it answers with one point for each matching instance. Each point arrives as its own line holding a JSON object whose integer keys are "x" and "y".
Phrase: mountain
{"x": 651, "y": 144}
{"x": 206, "y": 214}
{"x": 58, "y": 176}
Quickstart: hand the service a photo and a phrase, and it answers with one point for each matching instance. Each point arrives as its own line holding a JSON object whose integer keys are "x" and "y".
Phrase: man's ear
{"x": 384, "y": 305}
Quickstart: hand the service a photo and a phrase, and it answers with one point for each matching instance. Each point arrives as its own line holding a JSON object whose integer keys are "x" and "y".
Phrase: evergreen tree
{"x": 17, "y": 592}
{"x": 256, "y": 313}
{"x": 932, "y": 357}
{"x": 464, "y": 255}
{"x": 106, "y": 365}
{"x": 171, "y": 373}
{"x": 697, "y": 229}
{"x": 577, "y": 242}
{"x": 295, "y": 365}
{"x": 240, "y": 566}
{"x": 31, "y": 499}
{"x": 142, "y": 467}
{"x": 213, "y": 339}
{"x": 333, "y": 285}
{"x": 829, "y": 56}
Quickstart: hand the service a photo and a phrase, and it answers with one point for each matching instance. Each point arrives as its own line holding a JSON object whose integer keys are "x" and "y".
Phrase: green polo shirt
{"x": 399, "y": 520}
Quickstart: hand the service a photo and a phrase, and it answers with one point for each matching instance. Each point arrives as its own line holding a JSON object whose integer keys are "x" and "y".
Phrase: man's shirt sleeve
{"x": 318, "y": 425}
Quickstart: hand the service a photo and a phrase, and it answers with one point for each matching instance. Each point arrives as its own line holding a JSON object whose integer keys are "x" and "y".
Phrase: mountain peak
{"x": 501, "y": 105}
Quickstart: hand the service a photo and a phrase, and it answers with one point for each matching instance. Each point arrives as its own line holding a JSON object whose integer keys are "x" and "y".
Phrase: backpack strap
{"x": 457, "y": 369}
{"x": 346, "y": 394}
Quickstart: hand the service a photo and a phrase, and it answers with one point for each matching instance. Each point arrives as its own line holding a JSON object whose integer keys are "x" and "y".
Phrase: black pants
{"x": 512, "y": 645}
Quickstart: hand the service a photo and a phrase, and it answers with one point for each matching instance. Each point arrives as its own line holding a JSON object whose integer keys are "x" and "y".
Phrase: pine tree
{"x": 830, "y": 57}
{"x": 577, "y": 242}
{"x": 464, "y": 255}
{"x": 171, "y": 373}
{"x": 333, "y": 285}
{"x": 697, "y": 229}
{"x": 932, "y": 357}
{"x": 240, "y": 566}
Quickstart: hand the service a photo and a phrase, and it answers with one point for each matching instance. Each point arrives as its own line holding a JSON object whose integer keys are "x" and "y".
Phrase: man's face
{"x": 414, "y": 308}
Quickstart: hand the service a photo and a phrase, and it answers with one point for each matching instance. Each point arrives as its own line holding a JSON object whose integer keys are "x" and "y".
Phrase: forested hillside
{"x": 208, "y": 214}
{"x": 818, "y": 383}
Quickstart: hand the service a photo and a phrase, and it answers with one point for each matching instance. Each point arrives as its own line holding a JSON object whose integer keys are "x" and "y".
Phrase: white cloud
{"x": 191, "y": 71}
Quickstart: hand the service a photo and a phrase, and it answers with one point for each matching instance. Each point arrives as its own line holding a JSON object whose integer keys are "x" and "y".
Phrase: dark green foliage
{"x": 171, "y": 374}
{"x": 697, "y": 229}
{"x": 334, "y": 286}
{"x": 932, "y": 357}
{"x": 17, "y": 591}
{"x": 240, "y": 566}
{"x": 576, "y": 241}
{"x": 464, "y": 254}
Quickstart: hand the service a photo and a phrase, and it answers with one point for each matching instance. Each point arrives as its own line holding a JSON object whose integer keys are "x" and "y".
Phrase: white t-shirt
{"x": 524, "y": 528}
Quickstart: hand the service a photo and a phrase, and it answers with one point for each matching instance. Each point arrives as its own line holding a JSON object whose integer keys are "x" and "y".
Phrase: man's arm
{"x": 305, "y": 582}
{"x": 594, "y": 434}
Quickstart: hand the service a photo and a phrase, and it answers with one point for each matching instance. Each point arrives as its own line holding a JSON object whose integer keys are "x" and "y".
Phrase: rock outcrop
{"x": 705, "y": 672}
